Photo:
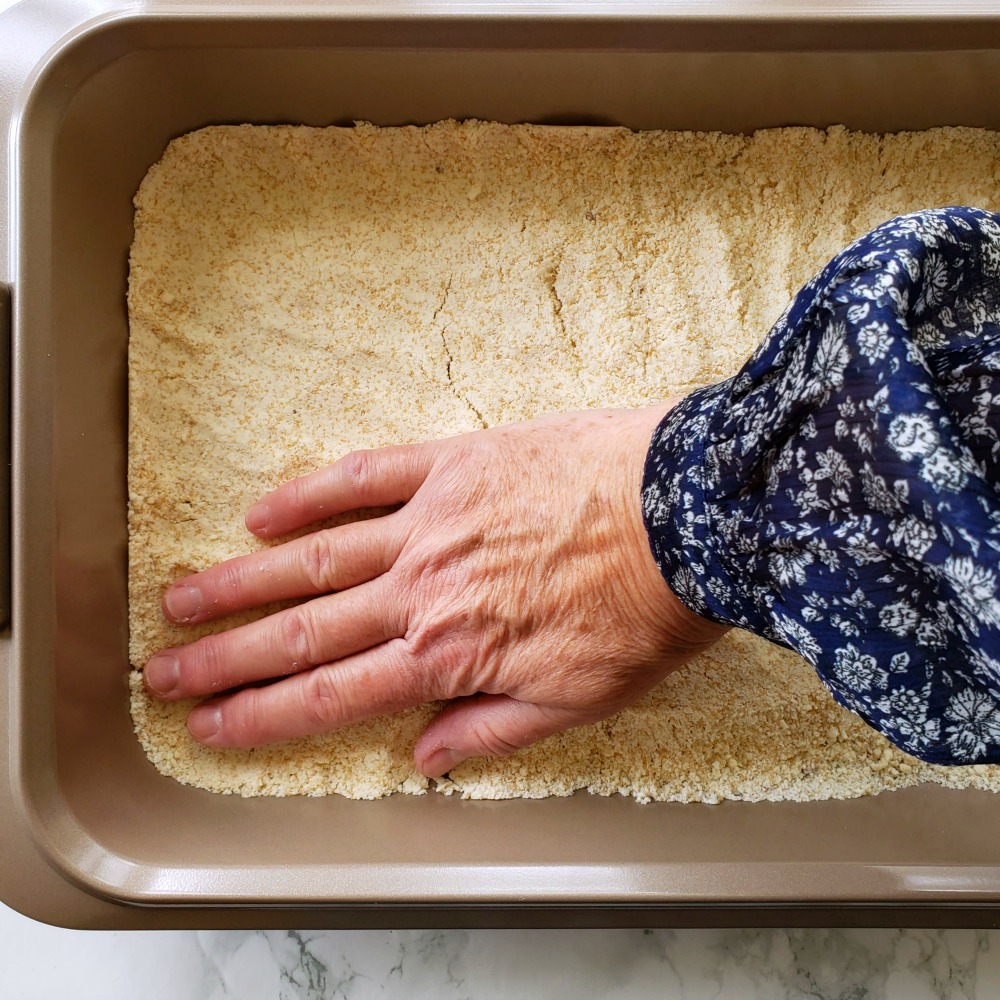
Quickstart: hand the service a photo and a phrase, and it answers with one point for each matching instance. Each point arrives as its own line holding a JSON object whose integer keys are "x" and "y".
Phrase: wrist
{"x": 684, "y": 632}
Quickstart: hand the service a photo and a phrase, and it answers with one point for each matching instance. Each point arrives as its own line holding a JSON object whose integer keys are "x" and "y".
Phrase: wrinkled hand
{"x": 515, "y": 582}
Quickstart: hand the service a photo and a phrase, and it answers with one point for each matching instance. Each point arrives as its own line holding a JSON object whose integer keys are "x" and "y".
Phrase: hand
{"x": 516, "y": 582}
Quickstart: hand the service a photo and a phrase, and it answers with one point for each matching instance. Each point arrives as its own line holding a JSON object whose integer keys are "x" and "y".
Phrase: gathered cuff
{"x": 680, "y": 523}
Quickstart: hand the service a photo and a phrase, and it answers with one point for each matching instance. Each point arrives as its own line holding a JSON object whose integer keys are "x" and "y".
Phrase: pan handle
{"x": 6, "y": 323}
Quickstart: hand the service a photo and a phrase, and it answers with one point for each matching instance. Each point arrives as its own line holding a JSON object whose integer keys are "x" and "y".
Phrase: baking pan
{"x": 90, "y": 834}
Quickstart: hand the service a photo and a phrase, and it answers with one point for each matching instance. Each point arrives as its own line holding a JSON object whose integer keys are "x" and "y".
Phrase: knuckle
{"x": 421, "y": 637}
{"x": 359, "y": 469}
{"x": 321, "y": 703}
{"x": 228, "y": 580}
{"x": 432, "y": 649}
{"x": 431, "y": 630}
{"x": 408, "y": 608}
{"x": 295, "y": 494}
{"x": 317, "y": 561}
{"x": 409, "y": 674}
{"x": 300, "y": 644}
{"x": 462, "y": 675}
{"x": 432, "y": 580}
{"x": 491, "y": 742}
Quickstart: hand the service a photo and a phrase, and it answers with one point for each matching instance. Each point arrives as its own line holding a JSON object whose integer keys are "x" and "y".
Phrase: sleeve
{"x": 840, "y": 495}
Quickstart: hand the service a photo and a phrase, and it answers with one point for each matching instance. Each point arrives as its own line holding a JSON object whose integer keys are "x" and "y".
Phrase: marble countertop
{"x": 40, "y": 962}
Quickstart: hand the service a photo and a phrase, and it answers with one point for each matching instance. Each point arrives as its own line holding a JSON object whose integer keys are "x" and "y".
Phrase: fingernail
{"x": 205, "y": 722}
{"x": 442, "y": 761}
{"x": 183, "y": 603}
{"x": 162, "y": 674}
{"x": 258, "y": 517}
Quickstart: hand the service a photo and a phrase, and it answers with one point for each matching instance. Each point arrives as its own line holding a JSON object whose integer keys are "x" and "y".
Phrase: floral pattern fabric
{"x": 840, "y": 495}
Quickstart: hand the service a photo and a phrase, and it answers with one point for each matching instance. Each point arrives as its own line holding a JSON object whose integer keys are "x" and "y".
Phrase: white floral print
{"x": 907, "y": 710}
{"x": 858, "y": 671}
{"x": 841, "y": 494}
{"x": 913, "y": 536}
{"x": 943, "y": 471}
{"x": 975, "y": 722}
{"x": 833, "y": 466}
{"x": 788, "y": 567}
{"x": 900, "y": 618}
{"x": 934, "y": 285}
{"x": 829, "y": 361}
{"x": 975, "y": 588}
{"x": 874, "y": 341}
{"x": 913, "y": 434}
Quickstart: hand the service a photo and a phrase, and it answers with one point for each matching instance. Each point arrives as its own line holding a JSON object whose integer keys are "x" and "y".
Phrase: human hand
{"x": 516, "y": 582}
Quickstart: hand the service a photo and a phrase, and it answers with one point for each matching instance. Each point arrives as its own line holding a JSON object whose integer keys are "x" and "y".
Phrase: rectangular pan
{"x": 90, "y": 833}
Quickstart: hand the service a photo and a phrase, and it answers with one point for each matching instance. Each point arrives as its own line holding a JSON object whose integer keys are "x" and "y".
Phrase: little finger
{"x": 385, "y": 679}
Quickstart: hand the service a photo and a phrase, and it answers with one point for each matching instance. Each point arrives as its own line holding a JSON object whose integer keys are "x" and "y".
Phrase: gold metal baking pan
{"x": 90, "y": 834}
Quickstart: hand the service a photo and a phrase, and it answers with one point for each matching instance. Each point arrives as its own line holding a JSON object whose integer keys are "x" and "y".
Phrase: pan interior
{"x": 98, "y": 117}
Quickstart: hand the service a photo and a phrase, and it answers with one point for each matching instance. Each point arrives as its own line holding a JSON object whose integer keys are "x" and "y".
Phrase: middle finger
{"x": 324, "y": 561}
{"x": 320, "y": 631}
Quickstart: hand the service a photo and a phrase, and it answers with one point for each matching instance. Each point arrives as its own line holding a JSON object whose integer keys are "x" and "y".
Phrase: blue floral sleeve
{"x": 840, "y": 495}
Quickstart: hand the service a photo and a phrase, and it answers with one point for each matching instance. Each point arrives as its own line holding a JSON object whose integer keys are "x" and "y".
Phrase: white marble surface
{"x": 41, "y": 962}
{"x": 38, "y": 962}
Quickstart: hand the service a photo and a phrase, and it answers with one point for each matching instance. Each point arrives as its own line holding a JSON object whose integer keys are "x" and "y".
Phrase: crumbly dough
{"x": 295, "y": 293}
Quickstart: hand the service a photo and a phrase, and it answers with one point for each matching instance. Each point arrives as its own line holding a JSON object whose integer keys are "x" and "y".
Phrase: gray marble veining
{"x": 42, "y": 962}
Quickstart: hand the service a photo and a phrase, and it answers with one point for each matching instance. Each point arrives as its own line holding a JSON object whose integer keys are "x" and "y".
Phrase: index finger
{"x": 368, "y": 478}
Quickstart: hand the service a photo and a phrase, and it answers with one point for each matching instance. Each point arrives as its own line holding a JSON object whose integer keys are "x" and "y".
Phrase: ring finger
{"x": 319, "y": 631}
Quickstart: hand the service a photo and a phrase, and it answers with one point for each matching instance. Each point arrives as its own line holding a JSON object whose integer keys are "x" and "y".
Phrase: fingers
{"x": 324, "y": 561}
{"x": 492, "y": 725}
{"x": 321, "y": 630}
{"x": 386, "y": 679}
{"x": 377, "y": 478}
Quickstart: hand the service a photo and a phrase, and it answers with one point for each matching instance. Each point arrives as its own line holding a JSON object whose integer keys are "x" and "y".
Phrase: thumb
{"x": 485, "y": 725}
